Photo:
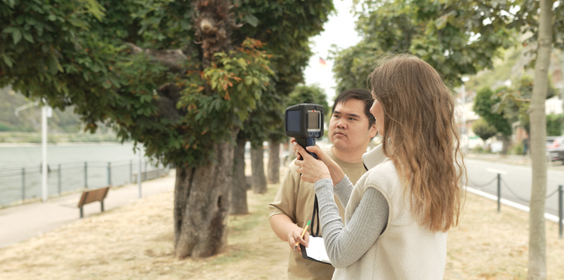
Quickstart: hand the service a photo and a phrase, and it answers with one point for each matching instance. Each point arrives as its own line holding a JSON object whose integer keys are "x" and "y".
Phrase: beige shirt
{"x": 295, "y": 199}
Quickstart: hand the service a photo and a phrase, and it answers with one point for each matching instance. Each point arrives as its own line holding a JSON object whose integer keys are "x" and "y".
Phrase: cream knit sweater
{"x": 405, "y": 250}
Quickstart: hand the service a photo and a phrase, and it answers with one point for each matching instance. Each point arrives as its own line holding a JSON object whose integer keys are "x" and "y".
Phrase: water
{"x": 71, "y": 167}
{"x": 31, "y": 155}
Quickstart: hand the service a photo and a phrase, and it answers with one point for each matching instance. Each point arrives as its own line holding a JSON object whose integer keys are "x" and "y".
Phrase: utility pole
{"x": 139, "y": 171}
{"x": 562, "y": 87}
{"x": 46, "y": 112}
{"x": 464, "y": 134}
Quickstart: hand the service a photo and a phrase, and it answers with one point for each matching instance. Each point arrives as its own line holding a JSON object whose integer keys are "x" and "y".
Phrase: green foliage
{"x": 526, "y": 18}
{"x": 485, "y": 100}
{"x": 517, "y": 149}
{"x": 308, "y": 94}
{"x": 5, "y": 127}
{"x": 483, "y": 129}
{"x": 455, "y": 37}
{"x": 514, "y": 101}
{"x": 554, "y": 124}
{"x": 84, "y": 56}
{"x": 285, "y": 26}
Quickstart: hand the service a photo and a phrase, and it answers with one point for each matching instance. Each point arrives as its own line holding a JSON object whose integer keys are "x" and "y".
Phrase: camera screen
{"x": 313, "y": 120}
{"x": 293, "y": 121}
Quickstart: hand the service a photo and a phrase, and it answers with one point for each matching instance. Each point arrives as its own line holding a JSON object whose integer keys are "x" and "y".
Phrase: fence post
{"x": 86, "y": 175}
{"x": 59, "y": 171}
{"x": 23, "y": 183}
{"x": 109, "y": 173}
{"x": 498, "y": 192}
{"x": 560, "y": 210}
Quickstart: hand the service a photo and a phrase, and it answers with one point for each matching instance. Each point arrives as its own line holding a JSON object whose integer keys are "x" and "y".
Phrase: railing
{"x": 19, "y": 184}
{"x": 499, "y": 180}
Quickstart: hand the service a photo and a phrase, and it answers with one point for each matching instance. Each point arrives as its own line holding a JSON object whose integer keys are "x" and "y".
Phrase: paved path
{"x": 22, "y": 222}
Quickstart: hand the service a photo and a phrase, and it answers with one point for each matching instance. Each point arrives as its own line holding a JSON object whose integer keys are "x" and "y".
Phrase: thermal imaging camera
{"x": 305, "y": 123}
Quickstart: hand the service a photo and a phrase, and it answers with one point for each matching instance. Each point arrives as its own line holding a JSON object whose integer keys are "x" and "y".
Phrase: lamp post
{"x": 464, "y": 134}
{"x": 46, "y": 112}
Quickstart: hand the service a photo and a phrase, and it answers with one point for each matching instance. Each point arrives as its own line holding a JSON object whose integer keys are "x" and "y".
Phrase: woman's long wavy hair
{"x": 424, "y": 142}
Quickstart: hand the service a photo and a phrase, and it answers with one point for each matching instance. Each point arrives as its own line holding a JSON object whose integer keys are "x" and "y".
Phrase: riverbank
{"x": 26, "y": 138}
{"x": 135, "y": 242}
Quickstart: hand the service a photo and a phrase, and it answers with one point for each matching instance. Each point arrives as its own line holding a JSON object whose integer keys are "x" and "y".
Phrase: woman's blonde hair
{"x": 419, "y": 121}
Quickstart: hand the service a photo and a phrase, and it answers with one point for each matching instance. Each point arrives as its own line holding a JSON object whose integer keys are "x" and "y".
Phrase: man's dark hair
{"x": 360, "y": 94}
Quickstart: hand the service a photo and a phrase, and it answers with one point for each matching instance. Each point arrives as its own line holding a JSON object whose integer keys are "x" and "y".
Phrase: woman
{"x": 398, "y": 213}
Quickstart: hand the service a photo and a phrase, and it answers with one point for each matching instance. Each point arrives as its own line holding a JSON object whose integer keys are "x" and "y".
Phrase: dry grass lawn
{"x": 135, "y": 242}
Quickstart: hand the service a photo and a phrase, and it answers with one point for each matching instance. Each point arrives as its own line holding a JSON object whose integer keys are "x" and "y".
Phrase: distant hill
{"x": 64, "y": 126}
{"x": 29, "y": 120}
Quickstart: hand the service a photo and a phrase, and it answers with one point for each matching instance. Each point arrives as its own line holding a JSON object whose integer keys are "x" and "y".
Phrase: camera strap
{"x": 315, "y": 232}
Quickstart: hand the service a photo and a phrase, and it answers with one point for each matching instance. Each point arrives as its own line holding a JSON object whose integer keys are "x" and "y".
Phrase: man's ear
{"x": 373, "y": 130}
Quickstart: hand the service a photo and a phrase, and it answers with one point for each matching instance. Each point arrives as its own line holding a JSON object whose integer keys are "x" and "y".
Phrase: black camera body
{"x": 304, "y": 122}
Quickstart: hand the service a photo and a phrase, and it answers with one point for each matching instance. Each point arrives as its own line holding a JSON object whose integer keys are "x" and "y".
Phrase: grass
{"x": 135, "y": 242}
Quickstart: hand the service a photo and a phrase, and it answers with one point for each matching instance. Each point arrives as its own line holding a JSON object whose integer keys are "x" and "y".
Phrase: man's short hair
{"x": 360, "y": 94}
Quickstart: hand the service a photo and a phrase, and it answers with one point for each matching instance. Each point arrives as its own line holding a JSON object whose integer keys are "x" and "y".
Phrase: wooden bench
{"x": 91, "y": 196}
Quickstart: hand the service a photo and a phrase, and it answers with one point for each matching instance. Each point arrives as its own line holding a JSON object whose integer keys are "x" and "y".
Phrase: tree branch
{"x": 172, "y": 58}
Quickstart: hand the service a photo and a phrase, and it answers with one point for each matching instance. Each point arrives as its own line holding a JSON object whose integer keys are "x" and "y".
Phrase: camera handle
{"x": 306, "y": 142}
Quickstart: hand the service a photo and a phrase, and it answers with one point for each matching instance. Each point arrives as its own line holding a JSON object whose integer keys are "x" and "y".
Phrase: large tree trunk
{"x": 201, "y": 198}
{"x": 201, "y": 205}
{"x": 239, "y": 185}
{"x": 537, "y": 232}
{"x": 257, "y": 165}
{"x": 273, "y": 161}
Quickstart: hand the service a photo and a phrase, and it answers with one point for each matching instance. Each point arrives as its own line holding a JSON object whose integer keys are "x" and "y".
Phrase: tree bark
{"x": 239, "y": 185}
{"x": 506, "y": 140}
{"x": 273, "y": 161}
{"x": 537, "y": 232}
{"x": 257, "y": 165}
{"x": 201, "y": 206}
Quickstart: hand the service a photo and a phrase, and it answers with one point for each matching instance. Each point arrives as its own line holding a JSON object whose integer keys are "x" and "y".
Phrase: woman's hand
{"x": 312, "y": 170}
{"x": 335, "y": 170}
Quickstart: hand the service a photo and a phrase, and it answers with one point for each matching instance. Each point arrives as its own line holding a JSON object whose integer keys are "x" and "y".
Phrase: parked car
{"x": 555, "y": 150}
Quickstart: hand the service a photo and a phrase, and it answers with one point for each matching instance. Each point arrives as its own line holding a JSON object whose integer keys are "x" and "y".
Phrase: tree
{"x": 514, "y": 101}
{"x": 537, "y": 232}
{"x": 455, "y": 37}
{"x": 553, "y": 124}
{"x": 483, "y": 129}
{"x": 179, "y": 77}
{"x": 484, "y": 107}
{"x": 286, "y": 26}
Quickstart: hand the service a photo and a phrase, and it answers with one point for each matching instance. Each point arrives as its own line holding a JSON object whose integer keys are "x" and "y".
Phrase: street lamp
{"x": 464, "y": 134}
{"x": 46, "y": 112}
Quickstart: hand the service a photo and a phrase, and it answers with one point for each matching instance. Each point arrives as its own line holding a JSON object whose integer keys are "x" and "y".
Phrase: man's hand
{"x": 294, "y": 236}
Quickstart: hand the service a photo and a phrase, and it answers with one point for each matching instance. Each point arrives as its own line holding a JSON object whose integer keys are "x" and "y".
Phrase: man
{"x": 351, "y": 128}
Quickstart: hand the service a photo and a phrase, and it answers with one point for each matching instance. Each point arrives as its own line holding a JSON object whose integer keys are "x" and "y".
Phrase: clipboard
{"x": 318, "y": 252}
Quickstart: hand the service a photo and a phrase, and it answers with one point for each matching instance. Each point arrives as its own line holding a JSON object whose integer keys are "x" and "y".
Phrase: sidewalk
{"x": 22, "y": 222}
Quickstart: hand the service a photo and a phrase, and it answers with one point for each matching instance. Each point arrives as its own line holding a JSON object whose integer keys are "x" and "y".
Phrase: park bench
{"x": 91, "y": 196}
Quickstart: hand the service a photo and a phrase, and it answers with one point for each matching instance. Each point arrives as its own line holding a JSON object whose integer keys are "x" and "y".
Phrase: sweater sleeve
{"x": 346, "y": 244}
{"x": 343, "y": 190}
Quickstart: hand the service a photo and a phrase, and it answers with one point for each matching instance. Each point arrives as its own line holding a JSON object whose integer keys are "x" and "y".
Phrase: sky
{"x": 339, "y": 30}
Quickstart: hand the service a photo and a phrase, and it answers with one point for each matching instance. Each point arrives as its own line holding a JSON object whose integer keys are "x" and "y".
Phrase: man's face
{"x": 348, "y": 127}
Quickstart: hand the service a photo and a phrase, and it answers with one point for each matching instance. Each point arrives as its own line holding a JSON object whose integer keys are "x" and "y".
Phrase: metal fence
{"x": 499, "y": 181}
{"x": 18, "y": 184}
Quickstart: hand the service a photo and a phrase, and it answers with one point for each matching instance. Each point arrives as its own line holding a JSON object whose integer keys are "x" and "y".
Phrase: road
{"x": 518, "y": 179}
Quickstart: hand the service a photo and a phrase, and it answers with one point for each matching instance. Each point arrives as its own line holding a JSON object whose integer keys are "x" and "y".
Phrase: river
{"x": 71, "y": 167}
